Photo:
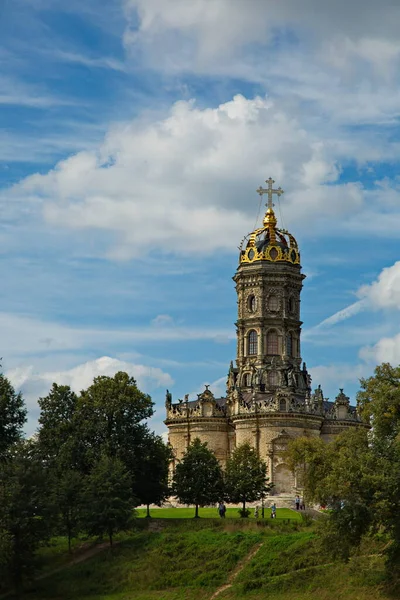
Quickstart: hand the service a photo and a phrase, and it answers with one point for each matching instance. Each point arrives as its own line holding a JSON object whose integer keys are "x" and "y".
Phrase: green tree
{"x": 69, "y": 501}
{"x": 357, "y": 474}
{"x": 341, "y": 475}
{"x": 25, "y": 513}
{"x": 58, "y": 441}
{"x": 151, "y": 483}
{"x": 245, "y": 476}
{"x": 198, "y": 477}
{"x": 109, "y": 417}
{"x": 108, "y": 498}
{"x": 12, "y": 416}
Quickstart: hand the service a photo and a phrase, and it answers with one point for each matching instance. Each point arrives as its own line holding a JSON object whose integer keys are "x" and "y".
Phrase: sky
{"x": 133, "y": 137}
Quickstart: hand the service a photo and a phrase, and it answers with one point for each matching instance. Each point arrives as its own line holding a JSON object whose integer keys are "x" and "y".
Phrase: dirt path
{"x": 239, "y": 567}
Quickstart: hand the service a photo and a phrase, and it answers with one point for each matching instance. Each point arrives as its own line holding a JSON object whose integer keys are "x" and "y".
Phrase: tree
{"x": 245, "y": 476}
{"x": 108, "y": 498}
{"x": 58, "y": 442}
{"x": 109, "y": 419}
{"x": 12, "y": 416}
{"x": 198, "y": 477}
{"x": 357, "y": 474}
{"x": 151, "y": 483}
{"x": 25, "y": 513}
{"x": 69, "y": 502}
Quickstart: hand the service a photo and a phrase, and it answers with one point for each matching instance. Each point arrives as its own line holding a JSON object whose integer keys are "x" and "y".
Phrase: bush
{"x": 244, "y": 512}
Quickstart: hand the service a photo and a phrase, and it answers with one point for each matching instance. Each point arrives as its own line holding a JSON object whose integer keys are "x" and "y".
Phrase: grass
{"x": 212, "y": 513}
{"x": 188, "y": 559}
{"x": 165, "y": 561}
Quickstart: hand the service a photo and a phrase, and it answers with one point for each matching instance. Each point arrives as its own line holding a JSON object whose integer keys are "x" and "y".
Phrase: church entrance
{"x": 283, "y": 479}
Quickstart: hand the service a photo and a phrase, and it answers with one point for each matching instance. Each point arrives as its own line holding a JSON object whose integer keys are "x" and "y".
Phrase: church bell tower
{"x": 268, "y": 285}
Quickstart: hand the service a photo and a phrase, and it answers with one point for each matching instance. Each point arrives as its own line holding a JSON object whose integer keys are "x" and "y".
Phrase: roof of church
{"x": 268, "y": 243}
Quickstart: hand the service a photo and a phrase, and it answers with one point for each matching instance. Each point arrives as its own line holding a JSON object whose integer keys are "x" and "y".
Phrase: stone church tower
{"x": 268, "y": 399}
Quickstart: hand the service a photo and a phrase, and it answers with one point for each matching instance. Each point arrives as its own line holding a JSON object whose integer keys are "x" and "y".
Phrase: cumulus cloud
{"x": 226, "y": 26}
{"x": 81, "y": 376}
{"x": 184, "y": 184}
{"x": 385, "y": 291}
{"x": 387, "y": 349}
{"x": 35, "y": 384}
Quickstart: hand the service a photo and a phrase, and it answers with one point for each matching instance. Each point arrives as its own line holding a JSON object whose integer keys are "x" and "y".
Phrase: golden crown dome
{"x": 268, "y": 242}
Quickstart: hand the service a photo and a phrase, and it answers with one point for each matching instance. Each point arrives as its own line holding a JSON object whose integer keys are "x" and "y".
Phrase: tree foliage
{"x": 110, "y": 414}
{"x": 25, "y": 513}
{"x": 12, "y": 416}
{"x": 108, "y": 498}
{"x": 69, "y": 499}
{"x": 58, "y": 441}
{"x": 357, "y": 474}
{"x": 245, "y": 476}
{"x": 152, "y": 474}
{"x": 198, "y": 477}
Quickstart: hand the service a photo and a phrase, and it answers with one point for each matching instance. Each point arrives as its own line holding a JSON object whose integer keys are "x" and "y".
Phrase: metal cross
{"x": 269, "y": 190}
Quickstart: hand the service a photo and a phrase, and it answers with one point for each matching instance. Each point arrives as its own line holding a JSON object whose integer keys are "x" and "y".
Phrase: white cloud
{"x": 225, "y": 26}
{"x": 182, "y": 184}
{"x": 387, "y": 349}
{"x": 336, "y": 376}
{"x": 217, "y": 387}
{"x": 81, "y": 376}
{"x": 35, "y": 384}
{"x": 385, "y": 291}
{"x": 342, "y": 315}
{"x": 162, "y": 320}
{"x": 27, "y": 336}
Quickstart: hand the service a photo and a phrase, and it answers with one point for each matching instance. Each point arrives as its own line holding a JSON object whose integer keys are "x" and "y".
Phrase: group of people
{"x": 299, "y": 502}
{"x": 222, "y": 510}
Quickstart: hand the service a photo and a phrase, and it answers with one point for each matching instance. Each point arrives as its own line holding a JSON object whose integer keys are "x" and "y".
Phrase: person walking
{"x": 256, "y": 512}
{"x": 221, "y": 510}
{"x": 273, "y": 510}
{"x": 302, "y": 504}
{"x": 297, "y": 502}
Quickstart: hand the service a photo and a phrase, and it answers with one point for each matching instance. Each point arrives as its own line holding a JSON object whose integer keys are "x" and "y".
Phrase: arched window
{"x": 273, "y": 378}
{"x": 272, "y": 342}
{"x": 282, "y": 405}
{"x": 252, "y": 342}
{"x": 252, "y": 303}
{"x": 273, "y": 303}
{"x": 247, "y": 380}
{"x": 289, "y": 344}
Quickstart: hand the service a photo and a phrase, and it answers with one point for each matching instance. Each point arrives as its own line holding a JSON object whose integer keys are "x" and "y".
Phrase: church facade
{"x": 269, "y": 399}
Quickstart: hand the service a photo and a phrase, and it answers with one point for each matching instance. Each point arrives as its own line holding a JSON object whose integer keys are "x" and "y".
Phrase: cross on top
{"x": 270, "y": 191}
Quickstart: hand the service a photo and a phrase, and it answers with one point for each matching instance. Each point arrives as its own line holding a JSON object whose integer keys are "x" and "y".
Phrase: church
{"x": 269, "y": 399}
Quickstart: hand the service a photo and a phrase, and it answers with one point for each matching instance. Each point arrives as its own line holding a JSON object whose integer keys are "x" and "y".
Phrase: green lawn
{"x": 212, "y": 513}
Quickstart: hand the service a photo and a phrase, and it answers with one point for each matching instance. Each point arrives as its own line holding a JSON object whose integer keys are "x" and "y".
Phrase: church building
{"x": 269, "y": 399}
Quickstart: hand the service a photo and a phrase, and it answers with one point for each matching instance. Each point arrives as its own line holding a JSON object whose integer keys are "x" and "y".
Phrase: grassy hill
{"x": 191, "y": 559}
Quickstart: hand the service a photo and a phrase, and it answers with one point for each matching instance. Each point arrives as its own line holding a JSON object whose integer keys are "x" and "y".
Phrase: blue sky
{"x": 134, "y": 134}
